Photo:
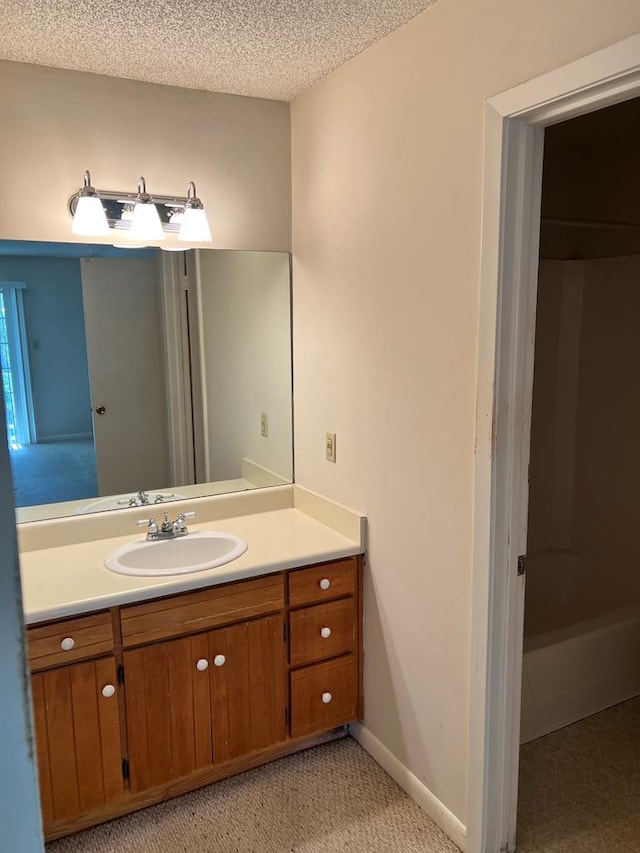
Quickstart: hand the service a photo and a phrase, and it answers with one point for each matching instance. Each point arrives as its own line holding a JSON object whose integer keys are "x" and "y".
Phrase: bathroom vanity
{"x": 144, "y": 689}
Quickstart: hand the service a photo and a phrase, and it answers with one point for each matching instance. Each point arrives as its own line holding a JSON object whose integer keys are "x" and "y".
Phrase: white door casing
{"x": 174, "y": 288}
{"x": 514, "y": 122}
{"x": 122, "y": 313}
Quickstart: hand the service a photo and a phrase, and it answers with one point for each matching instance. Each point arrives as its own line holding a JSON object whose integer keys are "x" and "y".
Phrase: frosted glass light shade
{"x": 90, "y": 220}
{"x": 194, "y": 227}
{"x": 145, "y": 222}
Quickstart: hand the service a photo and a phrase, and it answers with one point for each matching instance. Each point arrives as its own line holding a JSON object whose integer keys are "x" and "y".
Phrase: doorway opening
{"x": 513, "y": 157}
{"x": 582, "y": 598}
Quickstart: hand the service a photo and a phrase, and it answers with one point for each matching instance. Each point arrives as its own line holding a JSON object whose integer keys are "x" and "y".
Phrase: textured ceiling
{"x": 264, "y": 48}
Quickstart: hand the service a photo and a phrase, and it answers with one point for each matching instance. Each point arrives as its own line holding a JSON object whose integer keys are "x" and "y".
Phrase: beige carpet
{"x": 579, "y": 787}
{"x": 331, "y": 799}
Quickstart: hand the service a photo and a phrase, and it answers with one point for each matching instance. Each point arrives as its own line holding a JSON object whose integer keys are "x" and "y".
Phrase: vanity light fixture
{"x": 89, "y": 218}
{"x": 194, "y": 227}
{"x": 139, "y": 217}
{"x": 145, "y": 221}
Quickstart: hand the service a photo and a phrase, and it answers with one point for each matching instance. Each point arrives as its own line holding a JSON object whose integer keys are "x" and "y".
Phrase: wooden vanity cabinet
{"x": 325, "y": 620}
{"x": 204, "y": 699}
{"x": 76, "y": 716}
{"x": 212, "y": 695}
{"x": 199, "y": 686}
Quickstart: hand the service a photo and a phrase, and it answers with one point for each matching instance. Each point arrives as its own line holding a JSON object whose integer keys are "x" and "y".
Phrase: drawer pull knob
{"x": 326, "y": 698}
{"x": 325, "y": 633}
{"x": 219, "y": 660}
{"x": 67, "y": 644}
{"x": 325, "y": 583}
{"x": 202, "y": 664}
{"x": 108, "y": 690}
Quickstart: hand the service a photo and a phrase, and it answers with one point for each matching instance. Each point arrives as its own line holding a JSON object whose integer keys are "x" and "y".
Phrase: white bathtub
{"x": 571, "y": 673}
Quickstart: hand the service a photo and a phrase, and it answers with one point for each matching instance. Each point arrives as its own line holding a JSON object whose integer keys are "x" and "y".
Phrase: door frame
{"x": 174, "y": 296}
{"x": 512, "y": 185}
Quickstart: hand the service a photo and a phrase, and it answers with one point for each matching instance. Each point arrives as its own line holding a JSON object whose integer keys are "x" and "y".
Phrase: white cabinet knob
{"x": 108, "y": 690}
{"x": 202, "y": 664}
{"x": 325, "y": 633}
{"x": 67, "y": 644}
{"x": 325, "y": 583}
{"x": 326, "y": 698}
{"x": 219, "y": 660}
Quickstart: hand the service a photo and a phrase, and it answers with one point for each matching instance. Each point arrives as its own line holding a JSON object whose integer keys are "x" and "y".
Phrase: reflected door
{"x": 126, "y": 372}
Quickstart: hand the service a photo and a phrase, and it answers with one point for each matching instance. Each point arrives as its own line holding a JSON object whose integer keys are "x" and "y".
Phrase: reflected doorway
{"x": 62, "y": 469}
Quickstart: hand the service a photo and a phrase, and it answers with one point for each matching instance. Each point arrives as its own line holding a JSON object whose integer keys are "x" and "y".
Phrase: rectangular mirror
{"x": 142, "y": 376}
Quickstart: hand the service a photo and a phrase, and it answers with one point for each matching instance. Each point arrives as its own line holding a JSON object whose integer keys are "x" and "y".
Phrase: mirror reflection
{"x": 142, "y": 376}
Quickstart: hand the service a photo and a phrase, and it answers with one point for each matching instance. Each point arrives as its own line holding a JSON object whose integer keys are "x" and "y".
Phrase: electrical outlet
{"x": 330, "y": 447}
{"x": 264, "y": 425}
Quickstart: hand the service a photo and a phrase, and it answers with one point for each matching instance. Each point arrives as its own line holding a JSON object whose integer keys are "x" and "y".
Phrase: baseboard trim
{"x": 72, "y": 436}
{"x": 418, "y": 792}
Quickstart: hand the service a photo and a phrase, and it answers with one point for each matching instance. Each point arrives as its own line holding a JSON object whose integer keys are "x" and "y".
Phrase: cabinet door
{"x": 168, "y": 710}
{"x": 78, "y": 738}
{"x": 248, "y": 687}
{"x": 205, "y": 698}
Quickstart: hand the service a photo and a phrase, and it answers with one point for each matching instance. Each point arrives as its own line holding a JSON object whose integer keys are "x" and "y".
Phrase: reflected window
{"x": 15, "y": 384}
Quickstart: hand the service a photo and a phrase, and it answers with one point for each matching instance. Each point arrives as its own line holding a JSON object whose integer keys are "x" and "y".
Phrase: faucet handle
{"x": 150, "y": 523}
{"x": 180, "y": 524}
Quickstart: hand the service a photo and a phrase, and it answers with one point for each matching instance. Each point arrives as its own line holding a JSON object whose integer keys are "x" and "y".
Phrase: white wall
{"x": 56, "y": 124}
{"x": 387, "y": 178}
{"x": 245, "y": 304}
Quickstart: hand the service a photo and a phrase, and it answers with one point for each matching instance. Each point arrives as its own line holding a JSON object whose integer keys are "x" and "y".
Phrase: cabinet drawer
{"x": 323, "y": 696}
{"x": 331, "y": 580}
{"x": 199, "y": 611}
{"x": 322, "y": 631}
{"x": 69, "y": 640}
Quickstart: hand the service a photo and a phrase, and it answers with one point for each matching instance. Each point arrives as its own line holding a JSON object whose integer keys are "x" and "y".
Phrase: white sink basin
{"x": 120, "y": 501}
{"x": 195, "y": 552}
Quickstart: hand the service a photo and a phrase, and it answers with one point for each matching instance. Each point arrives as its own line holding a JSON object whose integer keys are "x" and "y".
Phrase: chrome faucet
{"x": 139, "y": 499}
{"x": 142, "y": 499}
{"x": 168, "y": 529}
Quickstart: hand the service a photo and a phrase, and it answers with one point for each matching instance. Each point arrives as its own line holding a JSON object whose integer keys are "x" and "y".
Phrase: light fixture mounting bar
{"x": 130, "y": 198}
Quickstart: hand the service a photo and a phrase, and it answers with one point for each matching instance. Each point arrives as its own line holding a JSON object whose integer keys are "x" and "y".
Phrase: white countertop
{"x": 67, "y": 580}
